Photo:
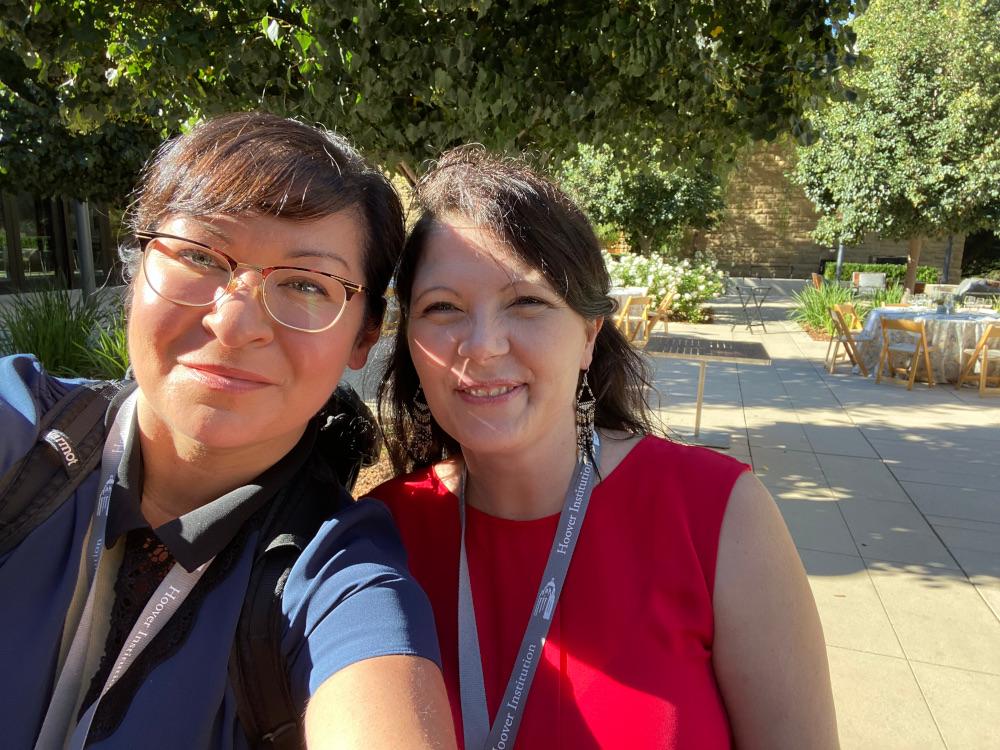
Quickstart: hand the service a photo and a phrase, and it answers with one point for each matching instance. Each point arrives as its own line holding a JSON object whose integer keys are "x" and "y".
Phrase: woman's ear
{"x": 367, "y": 338}
{"x": 593, "y": 327}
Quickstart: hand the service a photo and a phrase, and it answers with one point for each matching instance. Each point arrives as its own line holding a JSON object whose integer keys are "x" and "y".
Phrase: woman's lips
{"x": 227, "y": 378}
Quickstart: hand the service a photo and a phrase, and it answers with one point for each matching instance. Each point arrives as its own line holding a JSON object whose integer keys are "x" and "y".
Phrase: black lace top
{"x": 144, "y": 566}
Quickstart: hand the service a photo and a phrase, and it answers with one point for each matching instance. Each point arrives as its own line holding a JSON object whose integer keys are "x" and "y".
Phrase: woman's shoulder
{"x": 659, "y": 457}
{"x": 428, "y": 486}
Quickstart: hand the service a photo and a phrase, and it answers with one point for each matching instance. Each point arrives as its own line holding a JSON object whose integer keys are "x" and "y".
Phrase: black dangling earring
{"x": 422, "y": 435}
{"x": 586, "y": 408}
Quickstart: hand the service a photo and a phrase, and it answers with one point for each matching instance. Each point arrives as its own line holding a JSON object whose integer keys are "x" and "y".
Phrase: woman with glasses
{"x": 593, "y": 586}
{"x": 264, "y": 249}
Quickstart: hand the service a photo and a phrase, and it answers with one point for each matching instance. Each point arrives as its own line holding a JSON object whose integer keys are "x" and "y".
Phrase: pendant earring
{"x": 586, "y": 408}
{"x": 422, "y": 435}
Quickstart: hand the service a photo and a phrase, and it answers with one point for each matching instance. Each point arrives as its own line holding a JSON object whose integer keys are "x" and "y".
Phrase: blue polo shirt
{"x": 349, "y": 596}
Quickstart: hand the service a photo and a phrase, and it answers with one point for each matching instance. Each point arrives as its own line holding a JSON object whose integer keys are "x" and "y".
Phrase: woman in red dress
{"x": 594, "y": 586}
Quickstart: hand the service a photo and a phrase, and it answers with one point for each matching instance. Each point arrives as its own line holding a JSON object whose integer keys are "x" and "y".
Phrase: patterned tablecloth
{"x": 949, "y": 334}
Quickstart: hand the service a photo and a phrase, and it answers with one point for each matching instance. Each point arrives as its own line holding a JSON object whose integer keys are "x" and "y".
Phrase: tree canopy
{"x": 406, "y": 80}
{"x": 918, "y": 152}
{"x": 651, "y": 205}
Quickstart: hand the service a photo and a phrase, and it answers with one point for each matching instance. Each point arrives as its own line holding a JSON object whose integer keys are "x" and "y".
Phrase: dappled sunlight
{"x": 460, "y": 377}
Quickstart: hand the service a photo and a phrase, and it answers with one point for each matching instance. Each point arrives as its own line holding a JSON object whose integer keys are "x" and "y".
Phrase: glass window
{"x": 37, "y": 240}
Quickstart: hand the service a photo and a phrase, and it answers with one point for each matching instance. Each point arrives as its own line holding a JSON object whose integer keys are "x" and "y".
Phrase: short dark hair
{"x": 546, "y": 231}
{"x": 254, "y": 163}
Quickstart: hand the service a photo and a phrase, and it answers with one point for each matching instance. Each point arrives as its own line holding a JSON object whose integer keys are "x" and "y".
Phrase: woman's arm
{"x": 405, "y": 707}
{"x": 769, "y": 655}
{"x": 361, "y": 645}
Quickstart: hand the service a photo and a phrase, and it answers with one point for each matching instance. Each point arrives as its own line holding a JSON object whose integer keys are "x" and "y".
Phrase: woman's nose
{"x": 483, "y": 337}
{"x": 238, "y": 317}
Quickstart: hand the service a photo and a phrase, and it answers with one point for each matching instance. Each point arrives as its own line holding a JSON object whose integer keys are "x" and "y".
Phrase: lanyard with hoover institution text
{"x": 59, "y": 719}
{"x": 475, "y": 714}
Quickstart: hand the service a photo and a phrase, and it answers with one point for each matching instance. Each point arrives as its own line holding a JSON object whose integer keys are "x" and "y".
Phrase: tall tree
{"x": 917, "y": 153}
{"x": 407, "y": 79}
{"x": 651, "y": 205}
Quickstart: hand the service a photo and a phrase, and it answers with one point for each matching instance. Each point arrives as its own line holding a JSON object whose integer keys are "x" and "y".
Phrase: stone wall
{"x": 765, "y": 228}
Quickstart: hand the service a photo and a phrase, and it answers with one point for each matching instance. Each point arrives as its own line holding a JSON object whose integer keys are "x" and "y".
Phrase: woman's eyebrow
{"x": 210, "y": 228}
{"x": 437, "y": 288}
{"x": 306, "y": 252}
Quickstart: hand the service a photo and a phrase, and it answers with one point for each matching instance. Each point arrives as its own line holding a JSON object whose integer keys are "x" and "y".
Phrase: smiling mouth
{"x": 489, "y": 392}
{"x": 227, "y": 378}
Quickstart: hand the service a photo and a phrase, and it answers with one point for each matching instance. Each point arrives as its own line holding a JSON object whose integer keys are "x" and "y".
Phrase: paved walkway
{"x": 893, "y": 500}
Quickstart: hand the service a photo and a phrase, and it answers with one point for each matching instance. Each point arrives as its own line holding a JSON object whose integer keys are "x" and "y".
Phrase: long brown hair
{"x": 546, "y": 231}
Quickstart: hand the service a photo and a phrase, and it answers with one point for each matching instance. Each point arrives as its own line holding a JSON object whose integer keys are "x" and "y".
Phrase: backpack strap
{"x": 347, "y": 440}
{"x": 70, "y": 442}
{"x": 257, "y": 669}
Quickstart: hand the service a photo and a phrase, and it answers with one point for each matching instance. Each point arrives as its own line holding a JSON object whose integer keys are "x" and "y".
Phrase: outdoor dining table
{"x": 704, "y": 351}
{"x": 622, "y": 293}
{"x": 948, "y": 333}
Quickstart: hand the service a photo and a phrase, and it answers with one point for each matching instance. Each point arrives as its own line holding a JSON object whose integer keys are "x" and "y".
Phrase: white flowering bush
{"x": 695, "y": 280}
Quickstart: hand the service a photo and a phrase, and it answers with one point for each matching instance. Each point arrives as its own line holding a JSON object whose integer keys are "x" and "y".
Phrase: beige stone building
{"x": 765, "y": 227}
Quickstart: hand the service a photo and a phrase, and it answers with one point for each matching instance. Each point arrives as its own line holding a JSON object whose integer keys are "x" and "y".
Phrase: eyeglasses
{"x": 193, "y": 274}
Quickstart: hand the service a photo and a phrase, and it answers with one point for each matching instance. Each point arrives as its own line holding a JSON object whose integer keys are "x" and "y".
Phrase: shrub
{"x": 72, "y": 335}
{"x": 695, "y": 281}
{"x": 891, "y": 295}
{"x": 55, "y": 326}
{"x": 107, "y": 354}
{"x": 894, "y": 272}
{"x": 812, "y": 306}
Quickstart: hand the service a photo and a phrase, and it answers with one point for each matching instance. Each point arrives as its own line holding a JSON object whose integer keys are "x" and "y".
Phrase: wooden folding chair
{"x": 916, "y": 349}
{"x": 633, "y": 318}
{"x": 662, "y": 313}
{"x": 851, "y": 316}
{"x": 984, "y": 354}
{"x": 621, "y": 316}
{"x": 844, "y": 317}
{"x": 817, "y": 281}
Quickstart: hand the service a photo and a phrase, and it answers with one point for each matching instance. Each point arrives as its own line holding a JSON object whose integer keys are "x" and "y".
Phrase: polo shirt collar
{"x": 199, "y": 535}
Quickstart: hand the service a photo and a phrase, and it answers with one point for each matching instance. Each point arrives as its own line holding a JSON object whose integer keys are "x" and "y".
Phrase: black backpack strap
{"x": 347, "y": 440}
{"x": 70, "y": 442}
{"x": 257, "y": 669}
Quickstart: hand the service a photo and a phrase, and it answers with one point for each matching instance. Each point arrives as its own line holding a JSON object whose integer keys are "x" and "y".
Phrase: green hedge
{"x": 894, "y": 272}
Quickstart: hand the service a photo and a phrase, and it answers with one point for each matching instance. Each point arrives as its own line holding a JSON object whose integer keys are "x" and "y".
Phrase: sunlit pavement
{"x": 893, "y": 500}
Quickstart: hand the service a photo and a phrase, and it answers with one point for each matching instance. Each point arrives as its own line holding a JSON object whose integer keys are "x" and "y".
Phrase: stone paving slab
{"x": 965, "y": 704}
{"x": 879, "y": 703}
{"x": 849, "y": 606}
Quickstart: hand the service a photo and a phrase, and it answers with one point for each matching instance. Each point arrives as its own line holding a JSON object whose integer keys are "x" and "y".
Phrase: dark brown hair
{"x": 544, "y": 230}
{"x": 253, "y": 163}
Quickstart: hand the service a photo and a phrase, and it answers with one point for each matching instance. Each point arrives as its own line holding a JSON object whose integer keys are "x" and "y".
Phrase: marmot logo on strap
{"x": 64, "y": 448}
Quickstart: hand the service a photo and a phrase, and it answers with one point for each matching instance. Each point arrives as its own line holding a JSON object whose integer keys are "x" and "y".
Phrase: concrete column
{"x": 84, "y": 247}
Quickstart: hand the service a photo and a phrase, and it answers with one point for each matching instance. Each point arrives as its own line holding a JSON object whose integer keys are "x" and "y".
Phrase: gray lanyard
{"x": 162, "y": 604}
{"x": 475, "y": 714}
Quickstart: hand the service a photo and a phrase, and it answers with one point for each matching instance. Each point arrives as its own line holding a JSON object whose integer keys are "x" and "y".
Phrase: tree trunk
{"x": 408, "y": 172}
{"x": 914, "y": 246}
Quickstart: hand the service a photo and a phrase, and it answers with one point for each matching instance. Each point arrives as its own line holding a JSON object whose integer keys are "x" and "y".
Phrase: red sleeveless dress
{"x": 628, "y": 660}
